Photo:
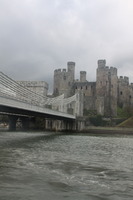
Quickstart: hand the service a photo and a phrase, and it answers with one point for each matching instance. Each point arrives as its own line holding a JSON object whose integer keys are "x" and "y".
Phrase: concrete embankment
{"x": 108, "y": 130}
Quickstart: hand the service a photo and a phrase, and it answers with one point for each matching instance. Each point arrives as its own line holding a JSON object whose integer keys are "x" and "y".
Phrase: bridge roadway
{"x": 16, "y": 107}
{"x": 17, "y": 101}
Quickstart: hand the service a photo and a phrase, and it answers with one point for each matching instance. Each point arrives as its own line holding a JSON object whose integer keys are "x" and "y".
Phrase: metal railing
{"x": 11, "y": 89}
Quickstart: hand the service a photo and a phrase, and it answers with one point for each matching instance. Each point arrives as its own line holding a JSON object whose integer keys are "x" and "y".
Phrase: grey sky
{"x": 38, "y": 36}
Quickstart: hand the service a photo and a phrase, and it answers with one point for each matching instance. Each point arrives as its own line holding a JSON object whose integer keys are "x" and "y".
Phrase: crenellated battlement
{"x": 70, "y": 68}
{"x": 123, "y": 80}
{"x": 83, "y": 76}
{"x": 58, "y": 71}
{"x": 108, "y": 92}
{"x": 113, "y": 70}
{"x": 104, "y": 70}
{"x": 101, "y": 63}
{"x": 131, "y": 86}
{"x": 63, "y": 79}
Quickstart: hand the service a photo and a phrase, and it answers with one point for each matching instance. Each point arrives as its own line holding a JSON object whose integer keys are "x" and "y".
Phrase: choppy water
{"x": 48, "y": 166}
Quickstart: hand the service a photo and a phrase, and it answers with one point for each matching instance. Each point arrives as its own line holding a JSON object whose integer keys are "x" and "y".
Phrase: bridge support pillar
{"x": 69, "y": 125}
{"x": 80, "y": 124}
{"x": 60, "y": 125}
{"x": 12, "y": 122}
{"x": 25, "y": 123}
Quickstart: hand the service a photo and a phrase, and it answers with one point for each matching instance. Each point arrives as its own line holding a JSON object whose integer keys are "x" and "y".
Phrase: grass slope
{"x": 127, "y": 123}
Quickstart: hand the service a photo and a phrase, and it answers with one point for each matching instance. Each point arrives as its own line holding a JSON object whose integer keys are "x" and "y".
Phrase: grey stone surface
{"x": 104, "y": 95}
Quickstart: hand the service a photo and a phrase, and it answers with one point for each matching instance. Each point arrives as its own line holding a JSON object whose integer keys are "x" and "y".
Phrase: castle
{"x": 103, "y": 96}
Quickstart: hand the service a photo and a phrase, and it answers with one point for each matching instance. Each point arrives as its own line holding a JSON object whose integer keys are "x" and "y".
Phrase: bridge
{"x": 17, "y": 101}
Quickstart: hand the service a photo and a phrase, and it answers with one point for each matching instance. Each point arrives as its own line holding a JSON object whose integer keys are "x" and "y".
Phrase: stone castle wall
{"x": 39, "y": 87}
{"x": 104, "y": 95}
{"x": 63, "y": 80}
{"x": 106, "y": 87}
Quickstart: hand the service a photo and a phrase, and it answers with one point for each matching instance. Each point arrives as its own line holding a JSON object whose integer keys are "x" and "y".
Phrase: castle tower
{"x": 63, "y": 80}
{"x": 71, "y": 71}
{"x": 106, "y": 89}
{"x": 101, "y": 64}
{"x": 123, "y": 92}
{"x": 82, "y": 76}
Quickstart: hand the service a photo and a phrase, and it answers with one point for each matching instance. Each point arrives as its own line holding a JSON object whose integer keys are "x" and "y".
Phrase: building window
{"x": 86, "y": 87}
{"x": 121, "y": 93}
{"x": 130, "y": 96}
{"x": 81, "y": 88}
{"x": 64, "y": 77}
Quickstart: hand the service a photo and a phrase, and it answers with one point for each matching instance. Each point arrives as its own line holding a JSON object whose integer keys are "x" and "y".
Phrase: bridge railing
{"x": 12, "y": 89}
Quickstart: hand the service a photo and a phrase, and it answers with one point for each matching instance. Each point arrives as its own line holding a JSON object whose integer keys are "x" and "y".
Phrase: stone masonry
{"x": 102, "y": 96}
{"x": 40, "y": 87}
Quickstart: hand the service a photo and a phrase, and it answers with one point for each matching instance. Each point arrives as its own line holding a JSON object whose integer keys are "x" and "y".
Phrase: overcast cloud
{"x": 39, "y": 36}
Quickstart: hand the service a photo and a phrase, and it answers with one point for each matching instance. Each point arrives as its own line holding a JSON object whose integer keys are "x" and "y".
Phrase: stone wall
{"x": 104, "y": 95}
{"x": 106, "y": 87}
{"x": 63, "y": 80}
{"x": 40, "y": 87}
{"x": 89, "y": 93}
{"x": 123, "y": 91}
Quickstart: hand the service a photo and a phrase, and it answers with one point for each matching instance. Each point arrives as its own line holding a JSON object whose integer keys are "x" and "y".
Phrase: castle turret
{"x": 71, "y": 70}
{"x": 63, "y": 80}
{"x": 82, "y": 76}
{"x": 101, "y": 63}
{"x": 123, "y": 92}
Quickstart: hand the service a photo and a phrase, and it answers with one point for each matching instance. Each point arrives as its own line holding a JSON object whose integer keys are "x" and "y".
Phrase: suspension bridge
{"x": 19, "y": 101}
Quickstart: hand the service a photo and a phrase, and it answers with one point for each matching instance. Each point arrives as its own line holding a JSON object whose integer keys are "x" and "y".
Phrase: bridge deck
{"x": 8, "y": 105}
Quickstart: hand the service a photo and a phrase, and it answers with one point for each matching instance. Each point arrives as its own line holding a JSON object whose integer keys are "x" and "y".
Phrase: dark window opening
{"x": 121, "y": 93}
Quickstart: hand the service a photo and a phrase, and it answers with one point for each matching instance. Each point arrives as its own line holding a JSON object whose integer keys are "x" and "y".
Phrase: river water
{"x": 55, "y": 166}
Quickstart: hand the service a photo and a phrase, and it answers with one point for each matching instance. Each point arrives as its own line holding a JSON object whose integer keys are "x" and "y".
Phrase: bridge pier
{"x": 80, "y": 124}
{"x": 12, "y": 122}
{"x": 69, "y": 125}
{"x": 60, "y": 125}
{"x": 25, "y": 123}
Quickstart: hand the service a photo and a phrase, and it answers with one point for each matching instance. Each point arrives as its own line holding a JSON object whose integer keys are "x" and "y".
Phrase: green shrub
{"x": 124, "y": 112}
{"x": 97, "y": 120}
{"x": 87, "y": 112}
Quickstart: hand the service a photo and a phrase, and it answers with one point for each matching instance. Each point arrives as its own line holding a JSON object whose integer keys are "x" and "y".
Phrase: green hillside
{"x": 127, "y": 123}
